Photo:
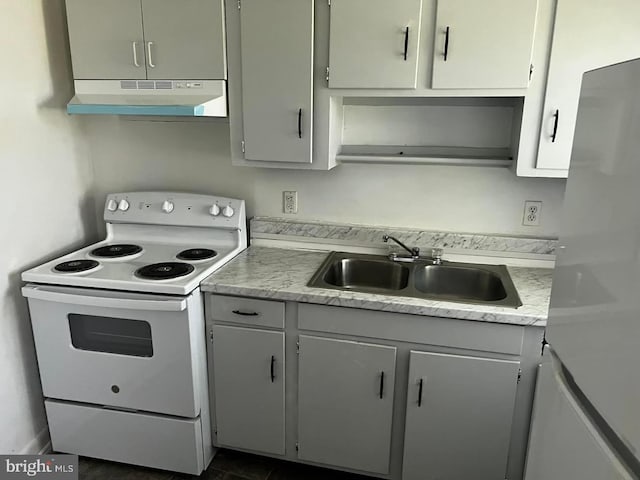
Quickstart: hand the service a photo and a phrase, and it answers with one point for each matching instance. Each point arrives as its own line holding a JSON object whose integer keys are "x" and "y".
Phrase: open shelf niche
{"x": 471, "y": 131}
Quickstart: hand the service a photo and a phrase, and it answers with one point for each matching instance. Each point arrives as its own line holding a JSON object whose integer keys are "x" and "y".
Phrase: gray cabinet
{"x": 154, "y": 39}
{"x": 345, "y": 403}
{"x": 106, "y": 39}
{"x": 249, "y": 380}
{"x": 276, "y": 43}
{"x": 459, "y": 416}
{"x": 184, "y": 39}
{"x": 483, "y": 44}
{"x": 374, "y": 43}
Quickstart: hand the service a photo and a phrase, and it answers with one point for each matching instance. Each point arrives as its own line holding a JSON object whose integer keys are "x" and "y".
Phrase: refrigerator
{"x": 586, "y": 416}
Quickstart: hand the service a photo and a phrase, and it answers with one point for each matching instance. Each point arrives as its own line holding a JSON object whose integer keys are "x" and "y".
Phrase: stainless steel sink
{"x": 359, "y": 273}
{"x": 471, "y": 283}
{"x": 449, "y": 281}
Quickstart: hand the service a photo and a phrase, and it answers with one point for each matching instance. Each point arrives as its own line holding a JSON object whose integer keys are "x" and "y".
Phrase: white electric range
{"x": 119, "y": 330}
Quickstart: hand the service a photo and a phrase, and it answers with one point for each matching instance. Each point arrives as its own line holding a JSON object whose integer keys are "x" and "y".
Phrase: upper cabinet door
{"x": 184, "y": 39}
{"x": 106, "y": 39}
{"x": 483, "y": 44}
{"x": 277, "y": 79}
{"x": 586, "y": 35}
{"x": 374, "y": 43}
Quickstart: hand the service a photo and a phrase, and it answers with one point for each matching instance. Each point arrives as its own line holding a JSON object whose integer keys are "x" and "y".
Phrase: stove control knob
{"x": 112, "y": 205}
{"x": 123, "y": 205}
{"x": 228, "y": 211}
{"x": 167, "y": 206}
{"x": 214, "y": 210}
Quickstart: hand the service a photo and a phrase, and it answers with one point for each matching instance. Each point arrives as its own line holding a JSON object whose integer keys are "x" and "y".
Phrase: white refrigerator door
{"x": 594, "y": 319}
{"x": 564, "y": 445}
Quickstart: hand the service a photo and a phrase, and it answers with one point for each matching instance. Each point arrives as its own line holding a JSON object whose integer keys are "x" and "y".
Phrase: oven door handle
{"x": 169, "y": 305}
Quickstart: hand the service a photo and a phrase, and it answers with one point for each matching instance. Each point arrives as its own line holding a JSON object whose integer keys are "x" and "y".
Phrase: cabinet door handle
{"x": 381, "y": 393}
{"x": 406, "y": 43}
{"x": 149, "y": 55}
{"x": 446, "y": 44}
{"x": 300, "y": 123}
{"x": 556, "y": 116}
{"x": 420, "y": 383}
{"x": 245, "y": 314}
{"x": 272, "y": 369}
{"x": 134, "y": 48}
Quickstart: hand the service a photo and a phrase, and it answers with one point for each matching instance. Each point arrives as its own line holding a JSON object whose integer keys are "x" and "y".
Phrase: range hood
{"x": 190, "y": 98}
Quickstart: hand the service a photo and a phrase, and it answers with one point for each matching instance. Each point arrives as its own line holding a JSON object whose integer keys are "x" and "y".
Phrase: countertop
{"x": 282, "y": 274}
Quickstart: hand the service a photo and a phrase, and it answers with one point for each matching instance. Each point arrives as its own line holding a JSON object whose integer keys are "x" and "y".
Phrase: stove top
{"x": 156, "y": 242}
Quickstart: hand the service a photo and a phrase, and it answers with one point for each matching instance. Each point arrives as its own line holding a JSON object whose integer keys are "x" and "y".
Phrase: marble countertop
{"x": 282, "y": 274}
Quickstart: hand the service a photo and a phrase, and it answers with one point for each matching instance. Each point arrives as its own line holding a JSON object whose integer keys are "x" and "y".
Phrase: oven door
{"x": 119, "y": 349}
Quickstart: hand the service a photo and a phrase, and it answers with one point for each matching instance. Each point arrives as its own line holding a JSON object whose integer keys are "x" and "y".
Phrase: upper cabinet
{"x": 374, "y": 43}
{"x": 147, "y": 39}
{"x": 483, "y": 44}
{"x": 276, "y": 42}
{"x": 586, "y": 35}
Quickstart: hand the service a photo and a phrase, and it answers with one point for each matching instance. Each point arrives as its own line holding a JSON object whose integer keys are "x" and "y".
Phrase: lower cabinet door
{"x": 248, "y": 367}
{"x": 459, "y": 415}
{"x": 345, "y": 403}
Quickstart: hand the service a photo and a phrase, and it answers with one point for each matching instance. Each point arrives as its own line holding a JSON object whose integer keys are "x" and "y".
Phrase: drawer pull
{"x": 381, "y": 384}
{"x": 420, "y": 392}
{"x": 245, "y": 314}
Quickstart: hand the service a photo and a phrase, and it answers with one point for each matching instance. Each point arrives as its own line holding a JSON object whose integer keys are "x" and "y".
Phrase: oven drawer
{"x": 246, "y": 311}
{"x": 137, "y": 438}
{"x": 135, "y": 351}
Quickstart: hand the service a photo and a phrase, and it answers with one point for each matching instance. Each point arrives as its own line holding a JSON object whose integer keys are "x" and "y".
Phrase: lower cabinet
{"x": 249, "y": 380}
{"x": 345, "y": 403}
{"x": 459, "y": 416}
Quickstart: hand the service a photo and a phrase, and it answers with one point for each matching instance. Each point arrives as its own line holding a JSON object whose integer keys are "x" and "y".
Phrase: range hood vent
{"x": 191, "y": 98}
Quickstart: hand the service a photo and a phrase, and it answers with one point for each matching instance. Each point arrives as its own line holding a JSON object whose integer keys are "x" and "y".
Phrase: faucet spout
{"x": 414, "y": 252}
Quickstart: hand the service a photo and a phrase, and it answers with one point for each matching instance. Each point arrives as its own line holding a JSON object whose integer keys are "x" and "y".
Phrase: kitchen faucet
{"x": 414, "y": 252}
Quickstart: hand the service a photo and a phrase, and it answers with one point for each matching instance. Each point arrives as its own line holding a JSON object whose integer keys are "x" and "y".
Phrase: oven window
{"x": 111, "y": 335}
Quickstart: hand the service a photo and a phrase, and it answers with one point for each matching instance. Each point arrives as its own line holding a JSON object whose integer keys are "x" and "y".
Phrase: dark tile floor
{"x": 226, "y": 465}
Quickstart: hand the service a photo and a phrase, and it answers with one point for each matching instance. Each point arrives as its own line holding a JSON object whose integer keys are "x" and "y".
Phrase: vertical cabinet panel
{"x": 106, "y": 39}
{"x": 249, "y": 379}
{"x": 483, "y": 44}
{"x": 184, "y": 39}
{"x": 345, "y": 403}
{"x": 586, "y": 35}
{"x": 277, "y": 79}
{"x": 374, "y": 43}
{"x": 459, "y": 415}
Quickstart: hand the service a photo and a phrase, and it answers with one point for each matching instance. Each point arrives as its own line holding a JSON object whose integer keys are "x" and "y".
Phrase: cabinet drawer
{"x": 246, "y": 311}
{"x": 168, "y": 443}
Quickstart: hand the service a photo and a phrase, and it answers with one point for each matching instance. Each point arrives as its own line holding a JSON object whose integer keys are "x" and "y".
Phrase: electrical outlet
{"x": 532, "y": 212}
{"x": 290, "y": 202}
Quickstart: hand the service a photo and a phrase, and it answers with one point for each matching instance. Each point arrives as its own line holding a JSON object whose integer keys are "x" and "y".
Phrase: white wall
{"x": 45, "y": 195}
{"x": 194, "y": 156}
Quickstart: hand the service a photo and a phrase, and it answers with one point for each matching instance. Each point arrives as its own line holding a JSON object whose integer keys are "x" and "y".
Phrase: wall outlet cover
{"x": 532, "y": 213}
{"x": 290, "y": 201}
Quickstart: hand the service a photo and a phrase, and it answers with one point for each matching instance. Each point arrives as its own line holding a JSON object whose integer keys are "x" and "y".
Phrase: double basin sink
{"x": 419, "y": 278}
